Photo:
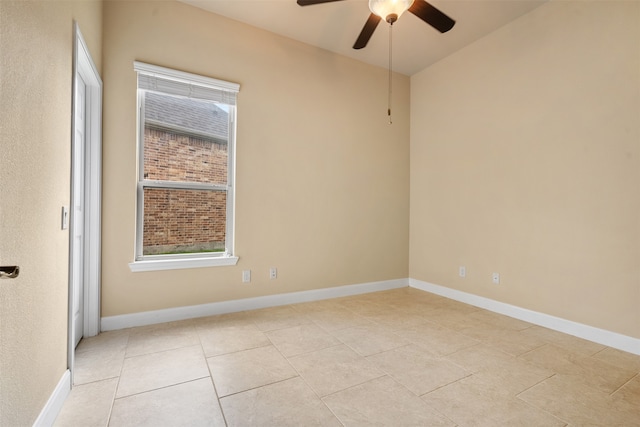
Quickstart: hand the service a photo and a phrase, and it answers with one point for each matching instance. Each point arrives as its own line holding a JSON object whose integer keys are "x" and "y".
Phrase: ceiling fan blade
{"x": 367, "y": 31}
{"x": 312, "y": 2}
{"x": 431, "y": 16}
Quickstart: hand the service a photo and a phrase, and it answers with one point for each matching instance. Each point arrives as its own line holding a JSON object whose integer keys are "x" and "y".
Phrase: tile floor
{"x": 399, "y": 358}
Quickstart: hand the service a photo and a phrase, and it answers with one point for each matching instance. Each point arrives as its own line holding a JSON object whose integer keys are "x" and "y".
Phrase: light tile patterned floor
{"x": 399, "y": 358}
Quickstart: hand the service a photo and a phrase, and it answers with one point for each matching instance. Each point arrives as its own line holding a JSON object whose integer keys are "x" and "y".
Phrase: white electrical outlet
{"x": 462, "y": 271}
{"x": 496, "y": 278}
{"x": 246, "y": 276}
{"x": 273, "y": 273}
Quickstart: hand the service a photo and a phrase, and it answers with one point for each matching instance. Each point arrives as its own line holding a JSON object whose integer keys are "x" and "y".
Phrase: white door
{"x": 86, "y": 193}
{"x": 77, "y": 212}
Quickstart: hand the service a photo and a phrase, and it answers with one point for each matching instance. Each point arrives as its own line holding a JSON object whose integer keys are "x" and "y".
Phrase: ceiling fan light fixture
{"x": 389, "y": 10}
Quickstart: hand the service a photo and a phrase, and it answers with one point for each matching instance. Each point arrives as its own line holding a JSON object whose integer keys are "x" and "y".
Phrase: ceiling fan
{"x": 391, "y": 10}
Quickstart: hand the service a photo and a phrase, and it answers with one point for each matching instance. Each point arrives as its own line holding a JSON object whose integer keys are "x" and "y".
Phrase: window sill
{"x": 176, "y": 264}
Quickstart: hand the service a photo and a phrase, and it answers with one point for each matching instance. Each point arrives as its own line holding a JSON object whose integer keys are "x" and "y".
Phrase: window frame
{"x": 227, "y": 91}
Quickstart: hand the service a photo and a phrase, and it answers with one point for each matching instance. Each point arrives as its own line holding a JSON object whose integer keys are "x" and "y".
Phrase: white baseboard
{"x": 190, "y": 312}
{"x": 601, "y": 336}
{"x": 53, "y": 406}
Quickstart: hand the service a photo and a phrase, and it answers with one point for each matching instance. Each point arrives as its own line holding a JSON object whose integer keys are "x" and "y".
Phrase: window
{"x": 186, "y": 126}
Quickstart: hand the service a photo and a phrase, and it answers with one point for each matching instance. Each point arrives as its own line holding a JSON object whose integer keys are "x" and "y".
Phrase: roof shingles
{"x": 202, "y": 117}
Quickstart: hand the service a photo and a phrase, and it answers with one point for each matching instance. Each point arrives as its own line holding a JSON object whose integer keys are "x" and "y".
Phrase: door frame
{"x": 84, "y": 66}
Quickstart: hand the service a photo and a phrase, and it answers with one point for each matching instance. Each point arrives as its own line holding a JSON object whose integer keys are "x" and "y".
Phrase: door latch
{"x": 9, "y": 272}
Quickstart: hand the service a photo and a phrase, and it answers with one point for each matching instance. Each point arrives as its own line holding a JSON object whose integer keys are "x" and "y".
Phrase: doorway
{"x": 86, "y": 187}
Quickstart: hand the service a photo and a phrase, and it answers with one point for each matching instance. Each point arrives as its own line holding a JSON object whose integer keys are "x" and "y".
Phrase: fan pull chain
{"x": 390, "y": 71}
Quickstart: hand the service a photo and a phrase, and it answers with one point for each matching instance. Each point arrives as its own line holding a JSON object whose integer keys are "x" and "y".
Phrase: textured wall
{"x": 525, "y": 160}
{"x": 322, "y": 180}
{"x": 36, "y": 45}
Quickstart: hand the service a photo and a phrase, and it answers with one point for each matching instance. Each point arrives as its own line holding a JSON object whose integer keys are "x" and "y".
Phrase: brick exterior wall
{"x": 170, "y": 156}
{"x": 183, "y": 220}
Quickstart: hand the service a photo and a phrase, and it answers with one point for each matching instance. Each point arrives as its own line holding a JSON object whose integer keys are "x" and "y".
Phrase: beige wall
{"x": 525, "y": 160}
{"x": 322, "y": 179}
{"x": 36, "y": 41}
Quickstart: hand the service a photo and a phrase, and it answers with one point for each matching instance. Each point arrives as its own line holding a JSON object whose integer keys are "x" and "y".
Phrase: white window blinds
{"x": 155, "y": 78}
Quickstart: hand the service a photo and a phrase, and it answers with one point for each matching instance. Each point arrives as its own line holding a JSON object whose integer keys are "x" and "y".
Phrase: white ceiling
{"x": 335, "y": 26}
